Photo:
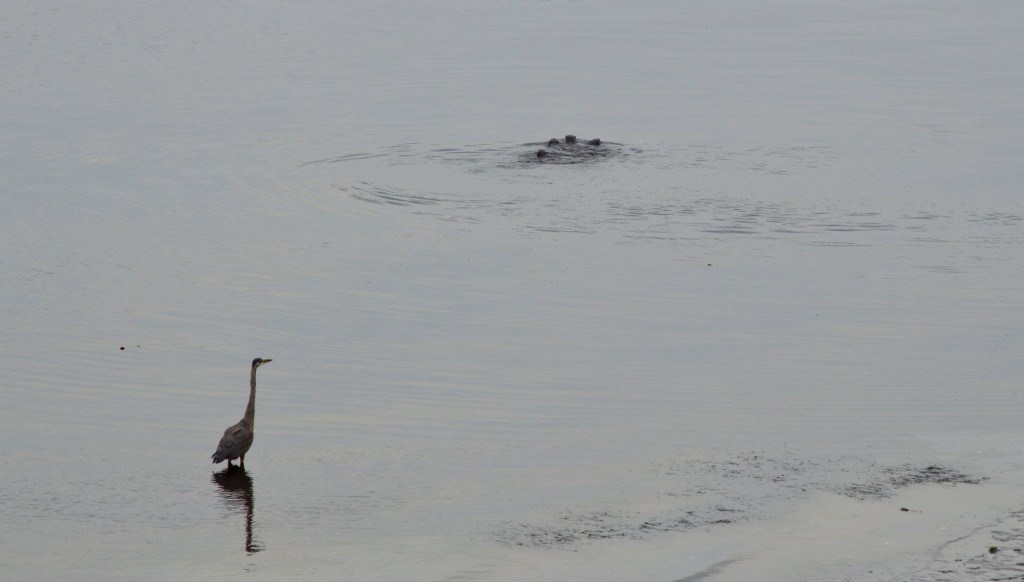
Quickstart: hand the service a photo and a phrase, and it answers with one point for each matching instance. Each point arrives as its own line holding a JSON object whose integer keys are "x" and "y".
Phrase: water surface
{"x": 794, "y": 279}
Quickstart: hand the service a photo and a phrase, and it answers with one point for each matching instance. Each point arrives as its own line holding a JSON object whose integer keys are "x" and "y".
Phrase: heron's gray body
{"x": 238, "y": 438}
{"x": 235, "y": 443}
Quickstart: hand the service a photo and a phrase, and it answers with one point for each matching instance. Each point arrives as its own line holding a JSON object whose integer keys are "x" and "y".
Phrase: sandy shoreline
{"x": 918, "y": 532}
{"x": 927, "y": 532}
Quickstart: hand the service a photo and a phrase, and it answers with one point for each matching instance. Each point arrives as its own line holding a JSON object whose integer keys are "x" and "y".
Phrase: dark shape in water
{"x": 236, "y": 492}
{"x": 571, "y": 149}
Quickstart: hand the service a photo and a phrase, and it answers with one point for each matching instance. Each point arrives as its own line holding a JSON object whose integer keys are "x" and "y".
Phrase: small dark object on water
{"x": 904, "y": 509}
{"x": 122, "y": 348}
{"x": 572, "y": 149}
{"x": 993, "y": 550}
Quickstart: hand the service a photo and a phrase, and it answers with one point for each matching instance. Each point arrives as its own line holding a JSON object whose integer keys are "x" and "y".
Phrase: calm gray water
{"x": 797, "y": 272}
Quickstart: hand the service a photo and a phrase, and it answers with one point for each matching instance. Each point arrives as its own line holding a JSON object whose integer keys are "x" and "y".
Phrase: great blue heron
{"x": 238, "y": 438}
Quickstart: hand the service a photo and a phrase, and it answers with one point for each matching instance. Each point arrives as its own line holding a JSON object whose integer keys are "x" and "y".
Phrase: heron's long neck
{"x": 250, "y": 411}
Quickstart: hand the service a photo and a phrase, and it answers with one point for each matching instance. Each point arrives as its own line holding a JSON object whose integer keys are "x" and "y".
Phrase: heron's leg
{"x": 241, "y": 461}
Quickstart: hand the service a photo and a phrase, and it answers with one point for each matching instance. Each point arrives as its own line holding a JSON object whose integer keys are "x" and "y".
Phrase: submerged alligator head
{"x": 572, "y": 148}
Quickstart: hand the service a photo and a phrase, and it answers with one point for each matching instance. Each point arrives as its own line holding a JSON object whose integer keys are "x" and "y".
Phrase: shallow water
{"x": 795, "y": 277}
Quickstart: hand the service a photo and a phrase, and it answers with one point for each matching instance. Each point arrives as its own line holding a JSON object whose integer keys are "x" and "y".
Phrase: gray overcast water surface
{"x": 796, "y": 269}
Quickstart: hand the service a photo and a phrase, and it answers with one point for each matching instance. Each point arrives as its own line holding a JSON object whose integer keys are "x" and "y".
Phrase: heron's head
{"x": 259, "y": 362}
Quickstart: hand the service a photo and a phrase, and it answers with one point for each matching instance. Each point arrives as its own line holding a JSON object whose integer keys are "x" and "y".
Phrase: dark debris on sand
{"x": 999, "y": 556}
{"x": 715, "y": 493}
{"x": 892, "y": 479}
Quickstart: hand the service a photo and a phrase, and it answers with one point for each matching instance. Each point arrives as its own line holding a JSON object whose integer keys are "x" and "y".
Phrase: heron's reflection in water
{"x": 236, "y": 492}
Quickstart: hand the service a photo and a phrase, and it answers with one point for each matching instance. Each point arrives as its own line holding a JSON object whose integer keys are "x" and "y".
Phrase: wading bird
{"x": 238, "y": 438}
